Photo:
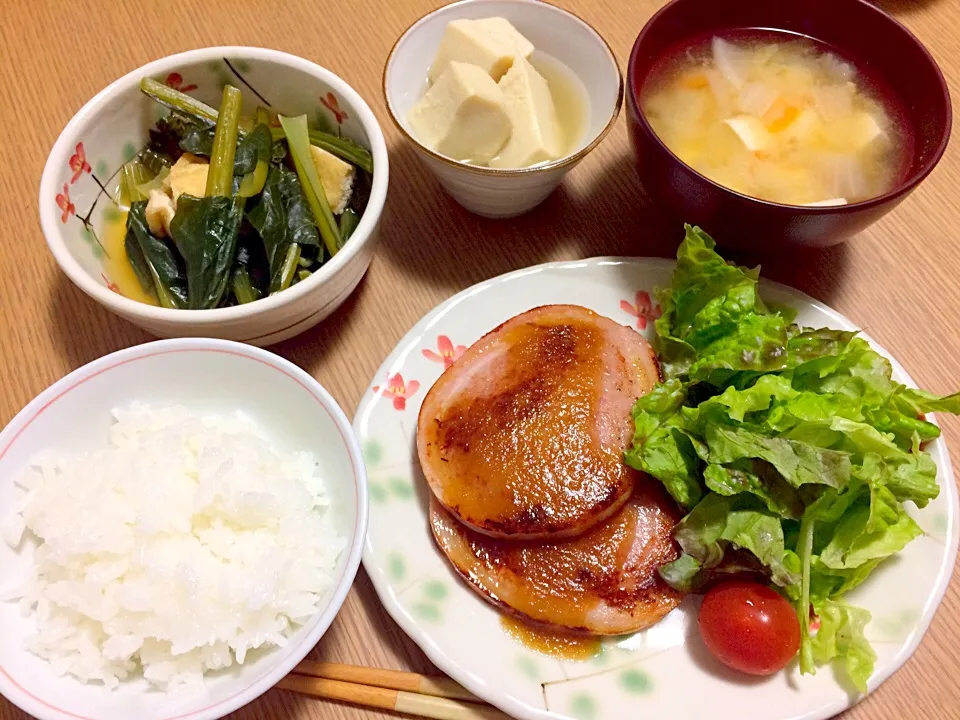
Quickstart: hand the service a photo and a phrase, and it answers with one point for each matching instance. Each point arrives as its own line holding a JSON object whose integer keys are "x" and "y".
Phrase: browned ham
{"x": 523, "y": 437}
{"x": 604, "y": 582}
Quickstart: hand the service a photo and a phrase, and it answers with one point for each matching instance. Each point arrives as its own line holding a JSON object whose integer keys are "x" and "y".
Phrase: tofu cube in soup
{"x": 536, "y": 132}
{"x": 463, "y": 116}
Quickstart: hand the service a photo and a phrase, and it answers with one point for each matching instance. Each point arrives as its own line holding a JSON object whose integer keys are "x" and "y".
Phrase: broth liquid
{"x": 569, "y": 97}
{"x": 116, "y": 265}
{"x": 872, "y": 88}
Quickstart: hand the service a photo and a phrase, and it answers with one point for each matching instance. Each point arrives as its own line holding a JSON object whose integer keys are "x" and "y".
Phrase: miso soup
{"x": 778, "y": 117}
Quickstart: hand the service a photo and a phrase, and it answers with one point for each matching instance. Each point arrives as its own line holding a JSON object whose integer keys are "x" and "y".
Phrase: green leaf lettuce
{"x": 793, "y": 450}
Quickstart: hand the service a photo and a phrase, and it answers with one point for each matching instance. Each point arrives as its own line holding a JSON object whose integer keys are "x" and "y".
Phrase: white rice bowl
{"x": 178, "y": 548}
{"x": 74, "y": 418}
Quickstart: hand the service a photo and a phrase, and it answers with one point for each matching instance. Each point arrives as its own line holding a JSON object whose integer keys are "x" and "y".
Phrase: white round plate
{"x": 664, "y": 671}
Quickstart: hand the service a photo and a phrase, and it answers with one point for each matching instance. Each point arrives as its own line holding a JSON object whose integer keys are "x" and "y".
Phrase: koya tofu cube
{"x": 463, "y": 116}
{"x": 491, "y": 44}
{"x": 536, "y": 130}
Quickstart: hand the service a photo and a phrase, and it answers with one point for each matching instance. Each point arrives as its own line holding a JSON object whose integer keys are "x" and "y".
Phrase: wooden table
{"x": 898, "y": 280}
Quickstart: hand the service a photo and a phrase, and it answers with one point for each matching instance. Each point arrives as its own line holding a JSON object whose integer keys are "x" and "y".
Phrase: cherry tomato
{"x": 749, "y": 627}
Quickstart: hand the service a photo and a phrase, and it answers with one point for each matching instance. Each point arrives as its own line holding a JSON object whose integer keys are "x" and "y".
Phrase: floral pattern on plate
{"x": 398, "y": 390}
{"x": 642, "y": 308}
{"x": 446, "y": 353}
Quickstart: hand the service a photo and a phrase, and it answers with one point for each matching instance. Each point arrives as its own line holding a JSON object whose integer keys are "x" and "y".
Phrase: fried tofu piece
{"x": 159, "y": 212}
{"x": 188, "y": 175}
{"x": 336, "y": 176}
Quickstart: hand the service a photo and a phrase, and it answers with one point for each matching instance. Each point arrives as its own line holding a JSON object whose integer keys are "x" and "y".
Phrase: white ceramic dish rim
{"x": 481, "y": 687}
{"x": 566, "y": 160}
{"x": 63, "y": 147}
{"x": 322, "y": 620}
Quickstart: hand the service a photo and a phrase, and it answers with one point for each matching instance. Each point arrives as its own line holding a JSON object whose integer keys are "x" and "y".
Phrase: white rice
{"x": 184, "y": 544}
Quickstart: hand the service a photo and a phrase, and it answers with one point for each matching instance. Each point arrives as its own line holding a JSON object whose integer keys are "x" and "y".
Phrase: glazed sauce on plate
{"x": 554, "y": 644}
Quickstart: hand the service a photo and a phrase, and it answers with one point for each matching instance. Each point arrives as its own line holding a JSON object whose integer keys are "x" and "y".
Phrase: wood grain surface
{"x": 899, "y": 280}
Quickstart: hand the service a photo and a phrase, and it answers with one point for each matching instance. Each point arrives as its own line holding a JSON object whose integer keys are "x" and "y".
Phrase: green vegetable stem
{"x": 132, "y": 176}
{"x": 343, "y": 148}
{"x": 299, "y": 142}
{"x": 205, "y": 229}
{"x": 289, "y": 267}
{"x": 155, "y": 183}
{"x": 255, "y": 149}
{"x": 220, "y": 174}
{"x": 178, "y": 101}
{"x": 348, "y": 225}
{"x": 243, "y": 289}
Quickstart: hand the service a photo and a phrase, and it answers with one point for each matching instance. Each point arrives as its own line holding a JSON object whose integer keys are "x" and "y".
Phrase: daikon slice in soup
{"x": 779, "y": 117}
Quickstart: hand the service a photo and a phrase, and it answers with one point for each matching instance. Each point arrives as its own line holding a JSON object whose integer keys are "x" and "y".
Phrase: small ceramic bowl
{"x": 81, "y": 178}
{"x": 205, "y": 376}
{"x": 494, "y": 192}
{"x": 856, "y": 28}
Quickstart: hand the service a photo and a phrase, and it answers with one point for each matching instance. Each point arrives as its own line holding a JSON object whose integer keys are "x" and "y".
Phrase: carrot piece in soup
{"x": 780, "y": 116}
{"x": 694, "y": 80}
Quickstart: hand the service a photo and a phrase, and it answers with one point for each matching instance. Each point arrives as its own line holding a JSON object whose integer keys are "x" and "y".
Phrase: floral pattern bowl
{"x": 79, "y": 185}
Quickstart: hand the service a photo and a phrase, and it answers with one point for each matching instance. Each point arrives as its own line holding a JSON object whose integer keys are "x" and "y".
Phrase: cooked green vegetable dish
{"x": 792, "y": 450}
{"x": 224, "y": 210}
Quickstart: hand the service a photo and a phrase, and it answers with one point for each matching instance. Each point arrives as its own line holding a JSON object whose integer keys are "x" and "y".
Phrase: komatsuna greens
{"x": 225, "y": 210}
{"x": 793, "y": 451}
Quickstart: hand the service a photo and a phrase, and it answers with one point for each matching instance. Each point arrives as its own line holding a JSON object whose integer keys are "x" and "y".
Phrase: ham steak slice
{"x": 523, "y": 437}
{"x": 604, "y": 582}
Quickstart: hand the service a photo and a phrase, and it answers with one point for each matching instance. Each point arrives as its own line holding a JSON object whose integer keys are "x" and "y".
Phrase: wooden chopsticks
{"x": 410, "y": 693}
{"x": 392, "y": 679}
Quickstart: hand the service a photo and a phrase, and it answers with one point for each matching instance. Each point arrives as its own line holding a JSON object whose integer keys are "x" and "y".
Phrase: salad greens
{"x": 792, "y": 450}
{"x": 225, "y": 210}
